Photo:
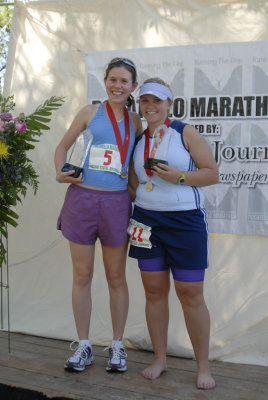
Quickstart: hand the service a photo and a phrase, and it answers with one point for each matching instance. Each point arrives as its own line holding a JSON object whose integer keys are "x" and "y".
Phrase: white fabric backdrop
{"x": 46, "y": 57}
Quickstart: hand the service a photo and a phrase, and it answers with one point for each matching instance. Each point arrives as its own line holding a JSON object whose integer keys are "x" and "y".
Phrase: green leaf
{"x": 37, "y": 125}
{"x": 3, "y": 231}
{"x": 11, "y": 213}
{"x": 6, "y": 211}
{"x": 41, "y": 113}
{"x": 42, "y": 119}
{"x": 8, "y": 220}
{"x": 32, "y": 140}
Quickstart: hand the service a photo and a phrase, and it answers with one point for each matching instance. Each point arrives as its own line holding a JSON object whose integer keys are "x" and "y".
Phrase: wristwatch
{"x": 181, "y": 179}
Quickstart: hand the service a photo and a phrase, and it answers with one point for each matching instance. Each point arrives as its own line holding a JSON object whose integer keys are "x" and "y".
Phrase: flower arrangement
{"x": 17, "y": 136}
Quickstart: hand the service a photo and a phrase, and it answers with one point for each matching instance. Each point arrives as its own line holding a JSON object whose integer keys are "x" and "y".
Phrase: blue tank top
{"x": 167, "y": 196}
{"x": 103, "y": 149}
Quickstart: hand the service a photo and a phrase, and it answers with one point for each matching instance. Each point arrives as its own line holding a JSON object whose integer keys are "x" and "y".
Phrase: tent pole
{"x": 5, "y": 286}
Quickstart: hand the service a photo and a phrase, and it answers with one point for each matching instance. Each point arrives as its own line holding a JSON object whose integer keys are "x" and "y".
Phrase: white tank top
{"x": 167, "y": 196}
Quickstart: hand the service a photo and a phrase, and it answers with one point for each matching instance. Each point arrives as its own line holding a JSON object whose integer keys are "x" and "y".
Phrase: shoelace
{"x": 116, "y": 352}
{"x": 79, "y": 350}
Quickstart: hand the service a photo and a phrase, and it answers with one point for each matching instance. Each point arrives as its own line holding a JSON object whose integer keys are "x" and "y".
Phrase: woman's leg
{"x": 83, "y": 265}
{"x": 157, "y": 285}
{"x": 114, "y": 259}
{"x": 197, "y": 322}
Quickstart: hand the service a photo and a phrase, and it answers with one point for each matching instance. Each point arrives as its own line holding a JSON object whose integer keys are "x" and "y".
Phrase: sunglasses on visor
{"x": 123, "y": 60}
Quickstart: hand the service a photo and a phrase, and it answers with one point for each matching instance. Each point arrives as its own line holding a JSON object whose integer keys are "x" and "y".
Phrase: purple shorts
{"x": 88, "y": 214}
{"x": 183, "y": 275}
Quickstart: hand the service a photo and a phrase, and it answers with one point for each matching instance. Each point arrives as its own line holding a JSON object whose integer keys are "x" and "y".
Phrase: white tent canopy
{"x": 49, "y": 41}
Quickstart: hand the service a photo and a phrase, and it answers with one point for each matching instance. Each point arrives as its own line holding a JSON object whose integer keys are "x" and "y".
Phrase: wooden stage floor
{"x": 33, "y": 369}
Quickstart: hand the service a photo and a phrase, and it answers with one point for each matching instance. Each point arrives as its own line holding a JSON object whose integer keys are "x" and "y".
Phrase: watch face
{"x": 182, "y": 179}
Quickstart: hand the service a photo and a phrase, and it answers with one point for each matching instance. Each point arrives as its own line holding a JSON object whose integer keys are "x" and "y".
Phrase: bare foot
{"x": 205, "y": 381}
{"x": 155, "y": 370}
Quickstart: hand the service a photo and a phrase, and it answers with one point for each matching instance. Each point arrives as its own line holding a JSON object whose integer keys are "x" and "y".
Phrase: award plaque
{"x": 161, "y": 140}
{"x": 79, "y": 153}
{"x": 151, "y": 162}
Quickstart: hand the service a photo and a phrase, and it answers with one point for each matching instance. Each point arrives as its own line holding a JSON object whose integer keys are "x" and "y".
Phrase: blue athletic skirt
{"x": 179, "y": 236}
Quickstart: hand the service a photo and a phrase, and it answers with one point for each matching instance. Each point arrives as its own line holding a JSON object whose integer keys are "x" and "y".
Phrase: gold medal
{"x": 123, "y": 174}
{"x": 148, "y": 186}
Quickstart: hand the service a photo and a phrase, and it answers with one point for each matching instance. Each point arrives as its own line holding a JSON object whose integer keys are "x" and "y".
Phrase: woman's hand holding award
{"x": 79, "y": 153}
{"x": 158, "y": 153}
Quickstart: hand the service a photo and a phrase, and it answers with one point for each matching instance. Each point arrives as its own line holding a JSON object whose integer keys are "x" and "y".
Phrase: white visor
{"x": 156, "y": 89}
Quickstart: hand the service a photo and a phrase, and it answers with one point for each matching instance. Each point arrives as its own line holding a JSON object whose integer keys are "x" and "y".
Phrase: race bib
{"x": 105, "y": 157}
{"x": 139, "y": 234}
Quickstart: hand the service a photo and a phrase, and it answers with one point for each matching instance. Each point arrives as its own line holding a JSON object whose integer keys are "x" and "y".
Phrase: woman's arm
{"x": 132, "y": 177}
{"x": 132, "y": 180}
{"x": 136, "y": 122}
{"x": 77, "y": 126}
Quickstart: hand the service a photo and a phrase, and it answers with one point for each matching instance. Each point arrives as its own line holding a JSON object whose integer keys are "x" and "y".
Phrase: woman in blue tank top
{"x": 168, "y": 229}
{"x": 97, "y": 205}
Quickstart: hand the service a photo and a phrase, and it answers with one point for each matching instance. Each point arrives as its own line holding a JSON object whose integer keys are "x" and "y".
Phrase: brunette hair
{"x": 122, "y": 62}
{"x": 129, "y": 66}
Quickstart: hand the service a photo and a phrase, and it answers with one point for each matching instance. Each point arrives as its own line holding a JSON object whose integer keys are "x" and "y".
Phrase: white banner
{"x": 221, "y": 89}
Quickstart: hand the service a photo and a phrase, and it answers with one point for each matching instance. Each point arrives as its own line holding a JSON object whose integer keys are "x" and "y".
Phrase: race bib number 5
{"x": 105, "y": 157}
{"x": 139, "y": 234}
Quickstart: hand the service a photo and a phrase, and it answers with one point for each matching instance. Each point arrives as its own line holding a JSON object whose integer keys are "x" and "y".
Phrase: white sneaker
{"x": 117, "y": 359}
{"x": 81, "y": 358}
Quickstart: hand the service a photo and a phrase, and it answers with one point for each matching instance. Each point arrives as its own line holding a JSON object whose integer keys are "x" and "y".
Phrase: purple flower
{"x": 2, "y": 126}
{"x": 6, "y": 116}
{"x": 20, "y": 126}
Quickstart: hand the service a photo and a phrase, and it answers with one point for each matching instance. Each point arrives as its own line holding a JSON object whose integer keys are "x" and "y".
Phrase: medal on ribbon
{"x": 123, "y": 148}
{"x": 158, "y": 136}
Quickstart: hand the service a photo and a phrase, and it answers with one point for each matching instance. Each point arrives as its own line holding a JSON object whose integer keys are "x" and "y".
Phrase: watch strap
{"x": 181, "y": 179}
